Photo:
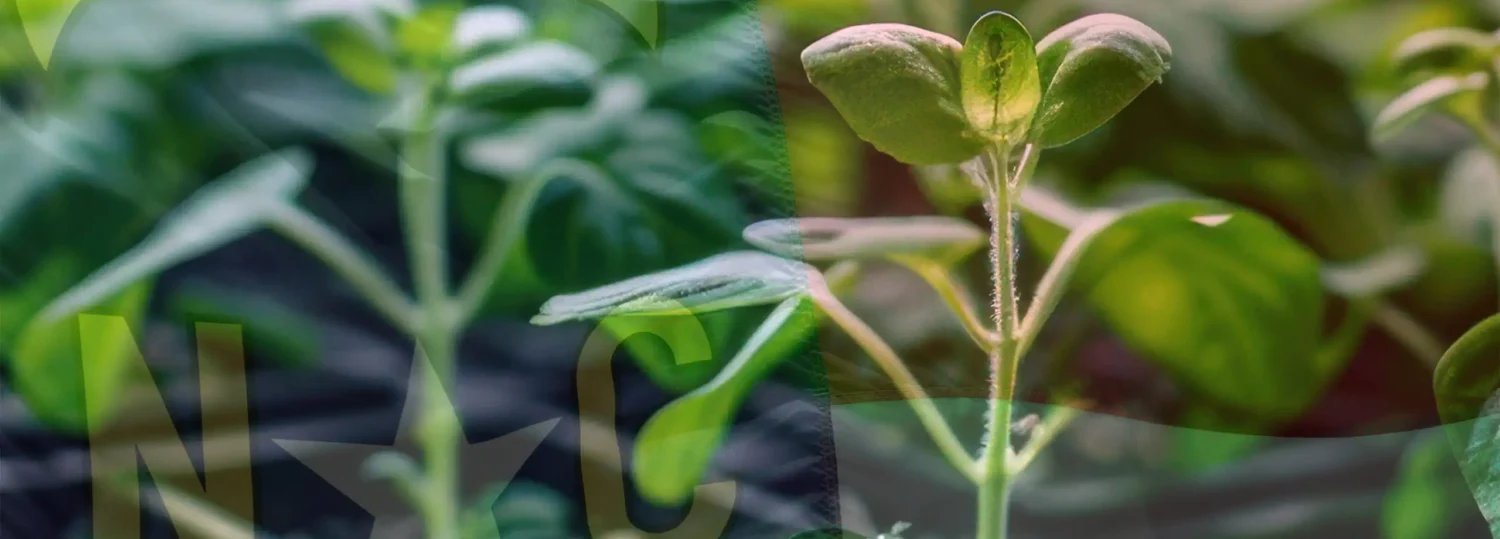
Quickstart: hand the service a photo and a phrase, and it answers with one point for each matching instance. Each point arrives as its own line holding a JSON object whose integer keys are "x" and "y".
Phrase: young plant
{"x": 991, "y": 105}
{"x": 427, "y": 64}
{"x": 1458, "y": 74}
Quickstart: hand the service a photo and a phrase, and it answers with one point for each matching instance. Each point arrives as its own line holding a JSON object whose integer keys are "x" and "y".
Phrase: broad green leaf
{"x": 726, "y": 281}
{"x": 227, "y": 209}
{"x": 677, "y": 444}
{"x": 633, "y": 193}
{"x": 1446, "y": 93}
{"x": 1446, "y": 49}
{"x": 1091, "y": 69}
{"x": 1217, "y": 296}
{"x": 161, "y": 34}
{"x": 1001, "y": 87}
{"x": 354, "y": 38}
{"x": 545, "y": 73}
{"x": 483, "y": 28}
{"x": 942, "y": 239}
{"x": 50, "y": 362}
{"x": 1469, "y": 373}
{"x": 1470, "y": 197}
{"x": 1428, "y": 492}
{"x": 898, "y": 87}
{"x": 43, "y": 22}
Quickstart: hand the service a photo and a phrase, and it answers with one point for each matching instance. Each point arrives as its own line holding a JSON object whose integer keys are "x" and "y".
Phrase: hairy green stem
{"x": 424, "y": 212}
{"x": 994, "y": 487}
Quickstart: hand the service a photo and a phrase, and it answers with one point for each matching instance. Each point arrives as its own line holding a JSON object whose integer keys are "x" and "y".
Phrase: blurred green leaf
{"x": 944, "y": 240}
{"x": 1000, "y": 84}
{"x": 541, "y": 73}
{"x": 1482, "y": 461}
{"x": 485, "y": 28}
{"x": 1444, "y": 93}
{"x": 288, "y": 337}
{"x": 1428, "y": 488}
{"x": 726, "y": 281}
{"x": 1378, "y": 274}
{"x": 356, "y": 41}
{"x": 519, "y": 510}
{"x": 635, "y": 193}
{"x": 676, "y": 445}
{"x": 233, "y": 206}
{"x": 1468, "y": 375}
{"x": 427, "y": 36}
{"x": 1218, "y": 296}
{"x": 50, "y": 364}
{"x": 110, "y": 35}
{"x": 687, "y": 350}
{"x": 1470, "y": 197}
{"x": 1453, "y": 50}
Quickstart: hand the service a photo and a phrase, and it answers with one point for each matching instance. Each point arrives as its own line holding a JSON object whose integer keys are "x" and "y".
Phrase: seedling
{"x": 990, "y": 105}
{"x": 1458, "y": 74}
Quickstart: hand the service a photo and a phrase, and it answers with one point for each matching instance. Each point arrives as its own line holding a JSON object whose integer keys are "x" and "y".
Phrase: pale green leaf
{"x": 539, "y": 71}
{"x": 1091, "y": 69}
{"x": 1441, "y": 93}
{"x": 224, "y": 211}
{"x": 942, "y": 239}
{"x": 898, "y": 87}
{"x": 726, "y": 281}
{"x": 1446, "y": 49}
{"x": 1001, "y": 85}
{"x": 1377, "y": 274}
{"x": 484, "y": 27}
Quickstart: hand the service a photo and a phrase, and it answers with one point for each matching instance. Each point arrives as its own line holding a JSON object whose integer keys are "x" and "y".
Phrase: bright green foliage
{"x": 1090, "y": 70}
{"x": 898, "y": 87}
{"x": 50, "y": 363}
{"x": 1001, "y": 87}
{"x": 1218, "y": 296}
{"x": 677, "y": 444}
{"x": 1426, "y": 495}
{"x": 539, "y": 73}
{"x": 425, "y": 38}
{"x": 355, "y": 39}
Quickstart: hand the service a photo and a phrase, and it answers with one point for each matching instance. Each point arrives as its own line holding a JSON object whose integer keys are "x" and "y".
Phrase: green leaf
{"x": 1091, "y": 69}
{"x": 519, "y": 510}
{"x": 1468, "y": 374}
{"x": 542, "y": 73}
{"x": 1447, "y": 93}
{"x": 50, "y": 366}
{"x": 1470, "y": 196}
{"x": 353, "y": 38}
{"x": 1428, "y": 489}
{"x": 676, "y": 445}
{"x": 941, "y": 239}
{"x": 1218, "y": 296}
{"x": 1446, "y": 49}
{"x": 1001, "y": 85}
{"x": 485, "y": 28}
{"x": 1481, "y": 461}
{"x": 898, "y": 87}
{"x": 633, "y": 194}
{"x": 684, "y": 351}
{"x": 726, "y": 281}
{"x": 231, "y": 207}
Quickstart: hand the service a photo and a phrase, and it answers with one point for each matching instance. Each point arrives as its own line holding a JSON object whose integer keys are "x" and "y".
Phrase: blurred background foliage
{"x": 1266, "y": 107}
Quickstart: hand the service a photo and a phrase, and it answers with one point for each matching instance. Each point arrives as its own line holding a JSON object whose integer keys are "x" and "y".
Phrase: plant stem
{"x": 506, "y": 229}
{"x": 1409, "y": 332}
{"x": 1490, "y": 139}
{"x": 326, "y": 243}
{"x": 895, "y": 369}
{"x": 424, "y": 211}
{"x": 1042, "y": 436}
{"x": 994, "y": 487}
{"x": 941, "y": 281}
